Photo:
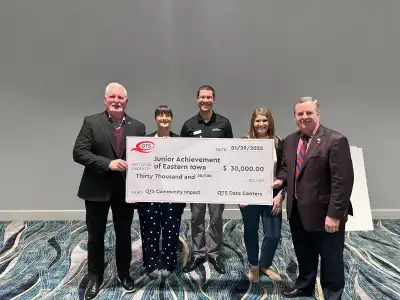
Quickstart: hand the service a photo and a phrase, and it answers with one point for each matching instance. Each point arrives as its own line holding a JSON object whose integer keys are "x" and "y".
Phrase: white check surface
{"x": 202, "y": 170}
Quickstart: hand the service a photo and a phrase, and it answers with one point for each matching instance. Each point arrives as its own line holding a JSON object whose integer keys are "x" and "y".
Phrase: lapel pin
{"x": 129, "y": 122}
{"x": 318, "y": 140}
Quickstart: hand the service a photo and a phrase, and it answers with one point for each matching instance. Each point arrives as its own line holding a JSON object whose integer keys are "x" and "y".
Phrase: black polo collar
{"x": 212, "y": 119}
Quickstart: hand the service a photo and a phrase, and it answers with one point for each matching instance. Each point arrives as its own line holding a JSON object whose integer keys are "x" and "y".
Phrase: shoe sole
{"x": 101, "y": 286}
{"x": 128, "y": 291}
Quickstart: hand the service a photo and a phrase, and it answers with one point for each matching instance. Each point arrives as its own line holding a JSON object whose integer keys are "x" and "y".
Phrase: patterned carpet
{"x": 47, "y": 260}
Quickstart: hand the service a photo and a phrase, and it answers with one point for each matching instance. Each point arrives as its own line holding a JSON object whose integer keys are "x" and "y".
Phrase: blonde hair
{"x": 263, "y": 111}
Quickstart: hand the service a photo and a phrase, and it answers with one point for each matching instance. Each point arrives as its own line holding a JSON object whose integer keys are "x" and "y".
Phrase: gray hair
{"x": 115, "y": 84}
{"x": 306, "y": 99}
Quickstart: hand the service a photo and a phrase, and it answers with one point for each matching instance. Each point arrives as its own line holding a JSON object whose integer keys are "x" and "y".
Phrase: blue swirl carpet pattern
{"x": 48, "y": 260}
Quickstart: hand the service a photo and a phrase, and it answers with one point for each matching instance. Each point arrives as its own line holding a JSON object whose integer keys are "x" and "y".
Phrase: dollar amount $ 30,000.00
{"x": 244, "y": 168}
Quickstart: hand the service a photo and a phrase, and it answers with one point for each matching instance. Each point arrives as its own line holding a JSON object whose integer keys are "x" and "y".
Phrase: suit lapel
{"x": 293, "y": 155}
{"x": 315, "y": 142}
{"x": 129, "y": 130}
{"x": 107, "y": 128}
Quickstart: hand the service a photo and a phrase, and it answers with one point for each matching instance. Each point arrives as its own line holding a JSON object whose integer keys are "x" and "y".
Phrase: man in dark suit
{"x": 100, "y": 148}
{"x": 318, "y": 172}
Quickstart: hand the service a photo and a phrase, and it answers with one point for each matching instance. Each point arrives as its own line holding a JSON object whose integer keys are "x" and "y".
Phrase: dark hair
{"x": 207, "y": 88}
{"x": 163, "y": 110}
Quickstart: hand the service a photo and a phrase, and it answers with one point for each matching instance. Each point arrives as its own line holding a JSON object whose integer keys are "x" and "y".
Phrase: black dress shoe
{"x": 128, "y": 284}
{"x": 92, "y": 289}
{"x": 218, "y": 264}
{"x": 293, "y": 293}
{"x": 193, "y": 264}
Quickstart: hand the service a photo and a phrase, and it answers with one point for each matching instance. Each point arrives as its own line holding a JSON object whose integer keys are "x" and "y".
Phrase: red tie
{"x": 302, "y": 153}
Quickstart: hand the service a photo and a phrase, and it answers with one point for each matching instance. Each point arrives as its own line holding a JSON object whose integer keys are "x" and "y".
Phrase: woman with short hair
{"x": 160, "y": 219}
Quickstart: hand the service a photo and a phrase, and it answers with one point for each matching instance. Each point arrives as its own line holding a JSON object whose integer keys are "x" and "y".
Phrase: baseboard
{"x": 383, "y": 214}
{"x": 59, "y": 215}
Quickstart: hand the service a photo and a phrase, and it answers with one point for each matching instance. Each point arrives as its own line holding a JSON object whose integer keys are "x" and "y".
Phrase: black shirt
{"x": 217, "y": 127}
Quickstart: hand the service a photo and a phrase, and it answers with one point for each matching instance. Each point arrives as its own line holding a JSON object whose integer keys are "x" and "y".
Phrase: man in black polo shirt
{"x": 207, "y": 124}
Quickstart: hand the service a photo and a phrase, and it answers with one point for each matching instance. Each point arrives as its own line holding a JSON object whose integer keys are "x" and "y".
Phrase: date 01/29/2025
{"x": 241, "y": 148}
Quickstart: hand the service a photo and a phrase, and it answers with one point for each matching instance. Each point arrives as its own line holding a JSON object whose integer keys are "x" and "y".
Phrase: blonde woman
{"x": 262, "y": 127}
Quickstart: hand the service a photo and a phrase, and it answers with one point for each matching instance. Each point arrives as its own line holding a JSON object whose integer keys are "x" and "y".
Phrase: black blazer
{"x": 171, "y": 134}
{"x": 94, "y": 149}
{"x": 325, "y": 182}
{"x": 279, "y": 155}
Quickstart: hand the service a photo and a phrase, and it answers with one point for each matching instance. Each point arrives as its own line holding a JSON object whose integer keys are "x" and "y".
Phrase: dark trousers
{"x": 96, "y": 220}
{"x": 272, "y": 225}
{"x": 160, "y": 220}
{"x": 308, "y": 246}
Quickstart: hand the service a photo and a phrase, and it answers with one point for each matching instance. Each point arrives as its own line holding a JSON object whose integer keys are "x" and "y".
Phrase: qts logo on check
{"x": 144, "y": 147}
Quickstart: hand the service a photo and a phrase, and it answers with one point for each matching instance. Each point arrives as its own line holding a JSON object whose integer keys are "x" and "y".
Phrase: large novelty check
{"x": 203, "y": 170}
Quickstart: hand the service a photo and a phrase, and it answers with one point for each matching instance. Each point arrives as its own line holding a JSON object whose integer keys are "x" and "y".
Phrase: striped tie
{"x": 301, "y": 154}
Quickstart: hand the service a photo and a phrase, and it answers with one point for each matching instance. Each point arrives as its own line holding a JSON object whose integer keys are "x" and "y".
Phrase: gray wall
{"x": 57, "y": 56}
